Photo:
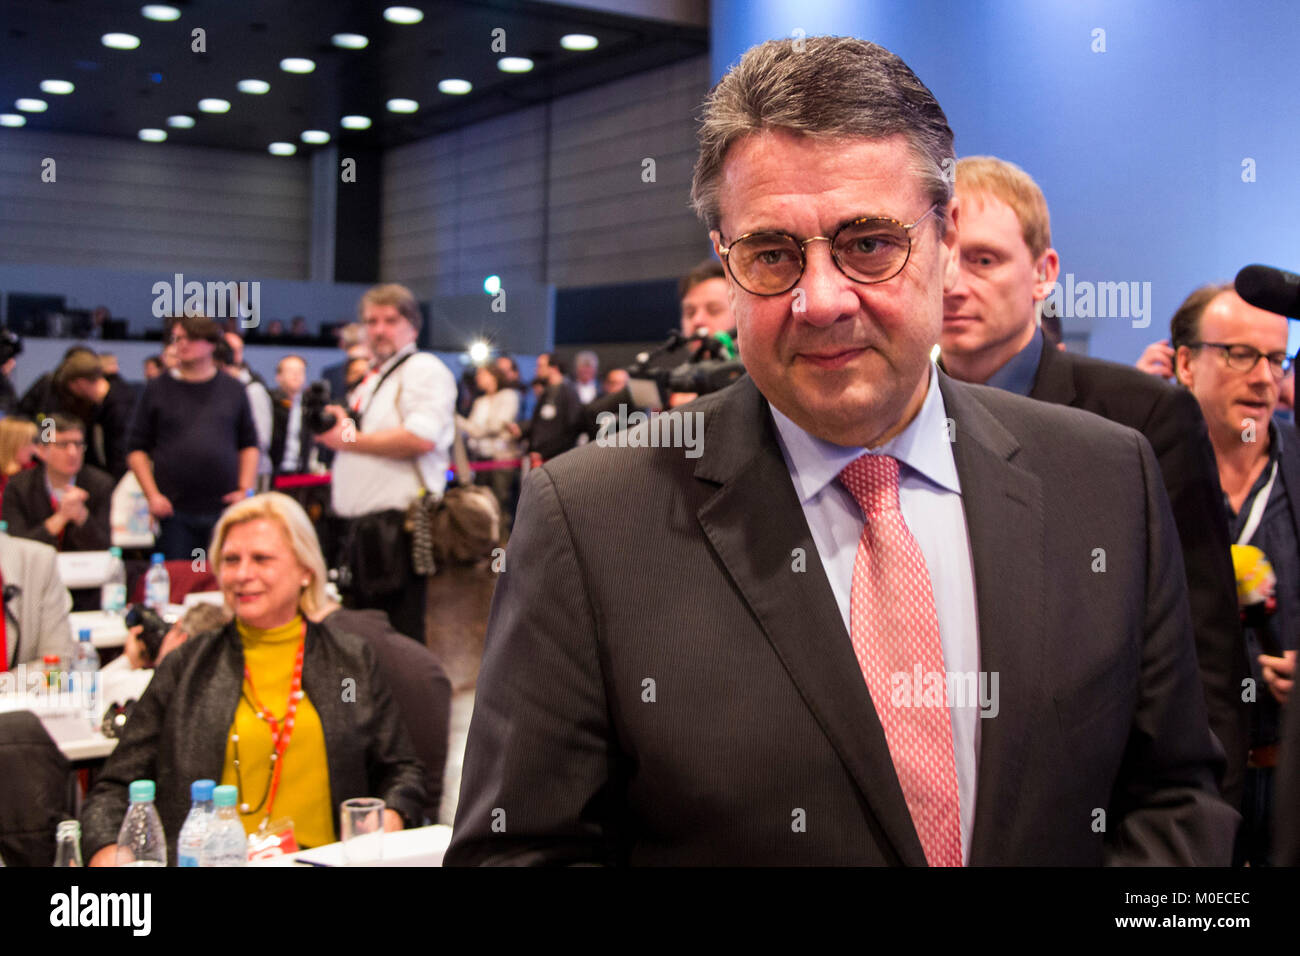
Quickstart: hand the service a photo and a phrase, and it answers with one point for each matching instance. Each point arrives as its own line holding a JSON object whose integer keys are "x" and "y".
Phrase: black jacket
{"x": 108, "y": 426}
{"x": 177, "y": 732}
{"x": 1169, "y": 418}
{"x": 27, "y": 504}
{"x": 281, "y": 406}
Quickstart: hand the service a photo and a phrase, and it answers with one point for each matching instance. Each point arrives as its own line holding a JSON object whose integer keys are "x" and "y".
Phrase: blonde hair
{"x": 14, "y": 433}
{"x": 293, "y": 521}
{"x": 1012, "y": 185}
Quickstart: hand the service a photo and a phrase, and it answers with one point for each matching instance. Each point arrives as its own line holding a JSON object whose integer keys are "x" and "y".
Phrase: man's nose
{"x": 959, "y": 291}
{"x": 824, "y": 293}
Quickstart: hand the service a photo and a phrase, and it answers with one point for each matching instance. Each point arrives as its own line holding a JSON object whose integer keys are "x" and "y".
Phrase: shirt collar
{"x": 1017, "y": 375}
{"x": 923, "y": 446}
{"x": 393, "y": 360}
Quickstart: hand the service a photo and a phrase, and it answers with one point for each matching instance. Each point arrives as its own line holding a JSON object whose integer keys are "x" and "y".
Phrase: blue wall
{"x": 1139, "y": 149}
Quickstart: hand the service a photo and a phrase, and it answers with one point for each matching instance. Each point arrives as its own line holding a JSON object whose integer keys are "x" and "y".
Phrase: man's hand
{"x": 174, "y": 639}
{"x": 392, "y": 821}
{"x": 134, "y": 649}
{"x": 73, "y": 506}
{"x": 1158, "y": 359}
{"x": 1279, "y": 674}
{"x": 105, "y": 857}
{"x": 333, "y": 439}
{"x": 239, "y": 494}
{"x": 514, "y": 429}
{"x": 159, "y": 506}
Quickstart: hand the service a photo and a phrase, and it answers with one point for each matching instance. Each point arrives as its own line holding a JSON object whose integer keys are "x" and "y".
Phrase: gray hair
{"x": 825, "y": 87}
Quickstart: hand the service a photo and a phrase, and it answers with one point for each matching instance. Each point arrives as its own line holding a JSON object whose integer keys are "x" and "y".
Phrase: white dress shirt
{"x": 419, "y": 397}
{"x": 930, "y": 499}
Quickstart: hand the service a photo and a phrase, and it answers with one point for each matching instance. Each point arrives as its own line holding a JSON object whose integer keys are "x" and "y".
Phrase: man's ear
{"x": 949, "y": 249}
{"x": 1183, "y": 373}
{"x": 1046, "y": 270}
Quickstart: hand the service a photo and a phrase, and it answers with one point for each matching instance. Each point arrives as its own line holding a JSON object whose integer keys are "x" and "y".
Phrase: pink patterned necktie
{"x": 894, "y": 628}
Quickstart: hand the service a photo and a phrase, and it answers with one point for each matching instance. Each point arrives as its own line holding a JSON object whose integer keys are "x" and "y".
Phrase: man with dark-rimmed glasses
{"x": 881, "y": 617}
{"x": 1233, "y": 358}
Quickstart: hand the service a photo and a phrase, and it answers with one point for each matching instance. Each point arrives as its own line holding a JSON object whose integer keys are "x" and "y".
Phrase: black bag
{"x": 376, "y": 550}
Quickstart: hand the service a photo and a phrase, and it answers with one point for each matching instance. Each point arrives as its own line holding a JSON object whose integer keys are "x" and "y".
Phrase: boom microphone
{"x": 1270, "y": 289}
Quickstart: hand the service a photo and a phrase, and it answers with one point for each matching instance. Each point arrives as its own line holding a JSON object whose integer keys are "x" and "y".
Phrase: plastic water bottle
{"x": 157, "y": 585}
{"x": 68, "y": 851}
{"x": 226, "y": 843}
{"x": 140, "y": 842}
{"x": 189, "y": 846}
{"x": 84, "y": 674}
{"x": 112, "y": 595}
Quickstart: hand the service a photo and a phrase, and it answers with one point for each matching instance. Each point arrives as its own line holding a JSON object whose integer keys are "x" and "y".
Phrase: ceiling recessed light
{"x": 120, "y": 41}
{"x": 349, "y": 41}
{"x": 257, "y": 87}
{"x": 297, "y": 64}
{"x": 29, "y": 105}
{"x": 405, "y": 15}
{"x": 455, "y": 87}
{"x": 355, "y": 122}
{"x": 400, "y": 105}
{"x": 160, "y": 12}
{"x": 316, "y": 137}
{"x": 282, "y": 149}
{"x": 514, "y": 64}
{"x": 214, "y": 105}
{"x": 180, "y": 121}
{"x": 12, "y": 119}
{"x": 579, "y": 41}
{"x": 153, "y": 135}
{"x": 57, "y": 87}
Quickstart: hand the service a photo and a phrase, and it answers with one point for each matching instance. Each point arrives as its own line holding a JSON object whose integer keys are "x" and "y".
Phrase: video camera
{"x": 712, "y": 366}
{"x": 152, "y": 629}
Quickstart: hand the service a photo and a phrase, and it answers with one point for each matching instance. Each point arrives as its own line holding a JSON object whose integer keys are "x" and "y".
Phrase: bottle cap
{"x": 156, "y": 558}
{"x": 50, "y": 659}
{"x": 4, "y": 527}
{"x": 202, "y": 789}
{"x": 142, "y": 791}
{"x": 68, "y": 828}
{"x": 115, "y": 551}
{"x": 83, "y": 635}
{"x": 225, "y": 796}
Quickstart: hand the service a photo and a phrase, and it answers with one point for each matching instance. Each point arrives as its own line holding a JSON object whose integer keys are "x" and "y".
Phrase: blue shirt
{"x": 1017, "y": 375}
{"x": 930, "y": 499}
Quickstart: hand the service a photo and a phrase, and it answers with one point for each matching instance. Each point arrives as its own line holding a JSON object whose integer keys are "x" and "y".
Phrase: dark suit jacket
{"x": 280, "y": 408}
{"x": 108, "y": 427}
{"x": 660, "y": 685}
{"x": 1286, "y": 797}
{"x": 1169, "y": 418}
{"x": 177, "y": 732}
{"x": 26, "y": 505}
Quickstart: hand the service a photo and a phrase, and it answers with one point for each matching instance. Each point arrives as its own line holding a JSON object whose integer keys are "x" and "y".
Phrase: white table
{"x": 109, "y": 630}
{"x": 423, "y": 846}
{"x": 69, "y": 727}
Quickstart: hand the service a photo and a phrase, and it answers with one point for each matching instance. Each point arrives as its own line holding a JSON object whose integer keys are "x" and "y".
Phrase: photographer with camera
{"x": 392, "y": 445}
{"x": 290, "y": 449}
{"x": 149, "y": 638}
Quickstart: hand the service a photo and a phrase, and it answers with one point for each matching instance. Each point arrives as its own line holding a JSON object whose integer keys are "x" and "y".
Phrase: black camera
{"x": 152, "y": 629}
{"x": 708, "y": 369}
{"x": 314, "y": 417}
{"x": 11, "y": 345}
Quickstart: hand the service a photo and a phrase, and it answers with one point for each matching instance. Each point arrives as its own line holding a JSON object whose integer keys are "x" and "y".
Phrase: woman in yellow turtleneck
{"x": 292, "y": 713}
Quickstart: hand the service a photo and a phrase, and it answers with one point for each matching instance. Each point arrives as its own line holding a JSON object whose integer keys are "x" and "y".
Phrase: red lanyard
{"x": 356, "y": 403}
{"x": 280, "y": 735}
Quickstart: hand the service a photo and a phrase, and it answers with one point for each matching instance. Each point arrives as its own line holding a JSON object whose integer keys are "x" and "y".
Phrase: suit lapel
{"x": 1004, "y": 520}
{"x": 755, "y": 523}
{"x": 1054, "y": 381}
{"x": 1289, "y": 469}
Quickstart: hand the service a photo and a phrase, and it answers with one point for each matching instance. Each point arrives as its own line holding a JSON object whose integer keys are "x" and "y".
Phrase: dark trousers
{"x": 1255, "y": 838}
{"x": 405, "y": 595}
{"x": 183, "y": 532}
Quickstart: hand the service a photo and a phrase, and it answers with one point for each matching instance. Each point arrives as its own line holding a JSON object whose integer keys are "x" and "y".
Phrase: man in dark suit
{"x": 290, "y": 446}
{"x": 62, "y": 502}
{"x": 991, "y": 337}
{"x": 766, "y": 648}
